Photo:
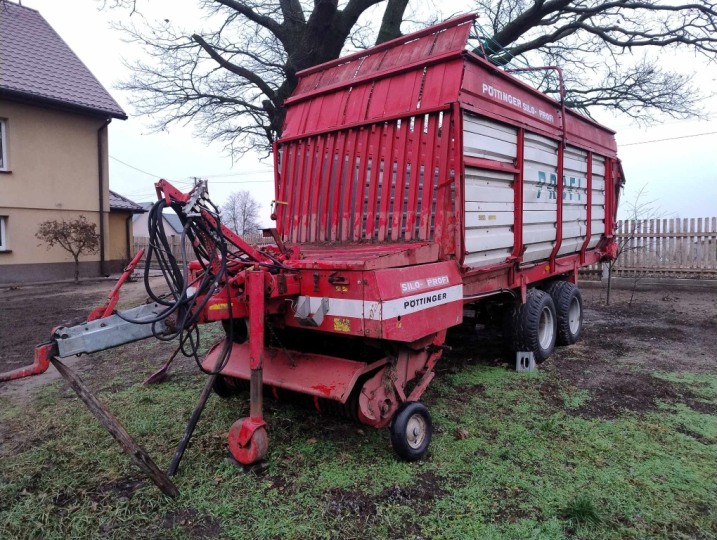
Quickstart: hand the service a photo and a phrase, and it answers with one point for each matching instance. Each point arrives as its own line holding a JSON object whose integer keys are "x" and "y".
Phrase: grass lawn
{"x": 511, "y": 457}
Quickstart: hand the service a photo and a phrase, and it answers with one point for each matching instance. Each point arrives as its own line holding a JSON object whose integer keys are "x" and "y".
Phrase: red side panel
{"x": 407, "y": 75}
{"x": 376, "y": 183}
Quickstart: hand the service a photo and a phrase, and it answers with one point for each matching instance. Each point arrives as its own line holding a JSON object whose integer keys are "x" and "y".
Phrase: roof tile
{"x": 35, "y": 61}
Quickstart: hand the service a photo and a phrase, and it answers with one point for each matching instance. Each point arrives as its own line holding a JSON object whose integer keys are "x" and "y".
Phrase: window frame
{"x": 3, "y": 145}
{"x": 3, "y": 234}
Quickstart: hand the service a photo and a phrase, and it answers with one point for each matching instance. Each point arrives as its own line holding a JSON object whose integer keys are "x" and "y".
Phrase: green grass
{"x": 529, "y": 468}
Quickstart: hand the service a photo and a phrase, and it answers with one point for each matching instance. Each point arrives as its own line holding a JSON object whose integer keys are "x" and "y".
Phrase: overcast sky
{"x": 680, "y": 174}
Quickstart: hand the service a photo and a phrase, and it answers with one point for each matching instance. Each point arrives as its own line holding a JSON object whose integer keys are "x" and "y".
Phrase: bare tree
{"x": 241, "y": 212}
{"x": 77, "y": 237}
{"x": 232, "y": 77}
{"x": 639, "y": 209}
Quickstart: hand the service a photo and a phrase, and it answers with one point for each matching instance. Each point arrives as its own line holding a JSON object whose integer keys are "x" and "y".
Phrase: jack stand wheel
{"x": 411, "y": 431}
{"x": 248, "y": 441}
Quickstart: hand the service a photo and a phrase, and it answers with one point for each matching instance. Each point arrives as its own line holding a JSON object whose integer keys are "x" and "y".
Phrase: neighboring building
{"x": 121, "y": 236}
{"x": 53, "y": 149}
{"x": 172, "y": 225}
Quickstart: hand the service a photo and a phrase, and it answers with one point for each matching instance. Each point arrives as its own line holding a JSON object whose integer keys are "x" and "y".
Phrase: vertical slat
{"x": 699, "y": 245}
{"x": 619, "y": 236}
{"x": 652, "y": 262}
{"x": 326, "y": 178}
{"x": 658, "y": 243}
{"x": 388, "y": 163}
{"x": 429, "y": 173}
{"x": 291, "y": 188}
{"x": 347, "y": 184}
{"x": 281, "y": 165}
{"x": 308, "y": 187}
{"x": 713, "y": 246}
{"x": 685, "y": 241}
{"x": 634, "y": 243}
{"x": 415, "y": 178}
{"x": 709, "y": 244}
{"x": 400, "y": 181}
{"x": 665, "y": 244}
{"x": 357, "y": 206}
{"x": 336, "y": 182}
{"x": 376, "y": 137}
{"x": 676, "y": 244}
{"x": 300, "y": 188}
{"x": 316, "y": 187}
{"x": 692, "y": 242}
{"x": 443, "y": 187}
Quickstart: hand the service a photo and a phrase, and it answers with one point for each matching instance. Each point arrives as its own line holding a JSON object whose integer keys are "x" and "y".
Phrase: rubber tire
{"x": 522, "y": 325}
{"x": 399, "y": 426}
{"x": 564, "y": 294}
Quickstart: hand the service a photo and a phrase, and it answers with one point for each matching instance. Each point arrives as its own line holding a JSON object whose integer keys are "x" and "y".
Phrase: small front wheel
{"x": 411, "y": 431}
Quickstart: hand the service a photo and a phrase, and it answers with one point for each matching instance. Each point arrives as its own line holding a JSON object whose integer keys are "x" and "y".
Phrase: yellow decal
{"x": 217, "y": 307}
{"x": 342, "y": 288}
{"x": 342, "y": 325}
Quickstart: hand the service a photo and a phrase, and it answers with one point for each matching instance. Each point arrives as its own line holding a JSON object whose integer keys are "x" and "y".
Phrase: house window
{"x": 3, "y": 233}
{"x": 3, "y": 145}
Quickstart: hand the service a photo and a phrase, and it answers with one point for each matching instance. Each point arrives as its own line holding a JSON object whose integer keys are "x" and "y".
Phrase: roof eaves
{"x": 34, "y": 99}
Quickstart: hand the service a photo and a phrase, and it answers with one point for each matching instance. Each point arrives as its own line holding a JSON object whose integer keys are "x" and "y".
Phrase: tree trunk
{"x": 77, "y": 269}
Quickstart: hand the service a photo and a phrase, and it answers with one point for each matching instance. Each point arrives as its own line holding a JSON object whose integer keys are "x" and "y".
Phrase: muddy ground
{"x": 663, "y": 329}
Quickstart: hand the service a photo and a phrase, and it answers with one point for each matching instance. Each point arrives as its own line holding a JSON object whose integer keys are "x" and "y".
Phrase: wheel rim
{"x": 574, "y": 316}
{"x": 416, "y": 430}
{"x": 546, "y": 328}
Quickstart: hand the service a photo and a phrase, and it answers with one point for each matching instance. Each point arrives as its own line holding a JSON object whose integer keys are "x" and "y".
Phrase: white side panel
{"x": 598, "y": 201}
{"x": 489, "y": 216}
{"x": 488, "y": 194}
{"x": 540, "y": 176}
{"x": 575, "y": 199}
{"x": 486, "y": 139}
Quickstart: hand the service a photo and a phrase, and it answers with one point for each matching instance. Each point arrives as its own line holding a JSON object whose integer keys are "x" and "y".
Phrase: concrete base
{"x": 524, "y": 361}
{"x": 11, "y": 274}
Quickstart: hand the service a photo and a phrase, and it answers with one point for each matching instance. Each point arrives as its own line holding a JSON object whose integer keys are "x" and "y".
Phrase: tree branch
{"x": 237, "y": 70}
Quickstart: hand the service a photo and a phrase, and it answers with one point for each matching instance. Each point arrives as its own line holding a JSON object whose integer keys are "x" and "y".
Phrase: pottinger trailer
{"x": 413, "y": 180}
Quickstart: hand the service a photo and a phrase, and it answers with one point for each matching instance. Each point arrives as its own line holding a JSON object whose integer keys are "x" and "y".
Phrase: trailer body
{"x": 413, "y": 180}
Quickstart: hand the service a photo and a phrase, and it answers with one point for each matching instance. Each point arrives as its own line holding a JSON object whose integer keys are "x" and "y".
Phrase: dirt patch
{"x": 418, "y": 495}
{"x": 624, "y": 344}
{"x": 30, "y": 313}
{"x": 611, "y": 395}
{"x": 506, "y": 506}
{"x": 341, "y": 502}
{"x": 194, "y": 524}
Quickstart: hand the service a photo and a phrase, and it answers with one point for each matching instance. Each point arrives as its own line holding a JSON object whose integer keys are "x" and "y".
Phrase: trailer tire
{"x": 532, "y": 326}
{"x": 569, "y": 309}
{"x": 411, "y": 431}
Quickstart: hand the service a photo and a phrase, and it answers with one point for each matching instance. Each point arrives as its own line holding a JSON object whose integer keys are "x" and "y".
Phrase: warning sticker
{"x": 342, "y": 325}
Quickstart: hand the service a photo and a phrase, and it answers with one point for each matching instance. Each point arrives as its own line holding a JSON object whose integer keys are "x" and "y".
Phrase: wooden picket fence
{"x": 142, "y": 242}
{"x": 674, "y": 248}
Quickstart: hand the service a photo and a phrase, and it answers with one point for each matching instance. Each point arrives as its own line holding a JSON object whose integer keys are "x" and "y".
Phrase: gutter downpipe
{"x": 100, "y": 183}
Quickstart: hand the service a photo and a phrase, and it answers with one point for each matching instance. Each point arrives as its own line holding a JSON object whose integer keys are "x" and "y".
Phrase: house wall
{"x": 53, "y": 174}
{"x": 119, "y": 257}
